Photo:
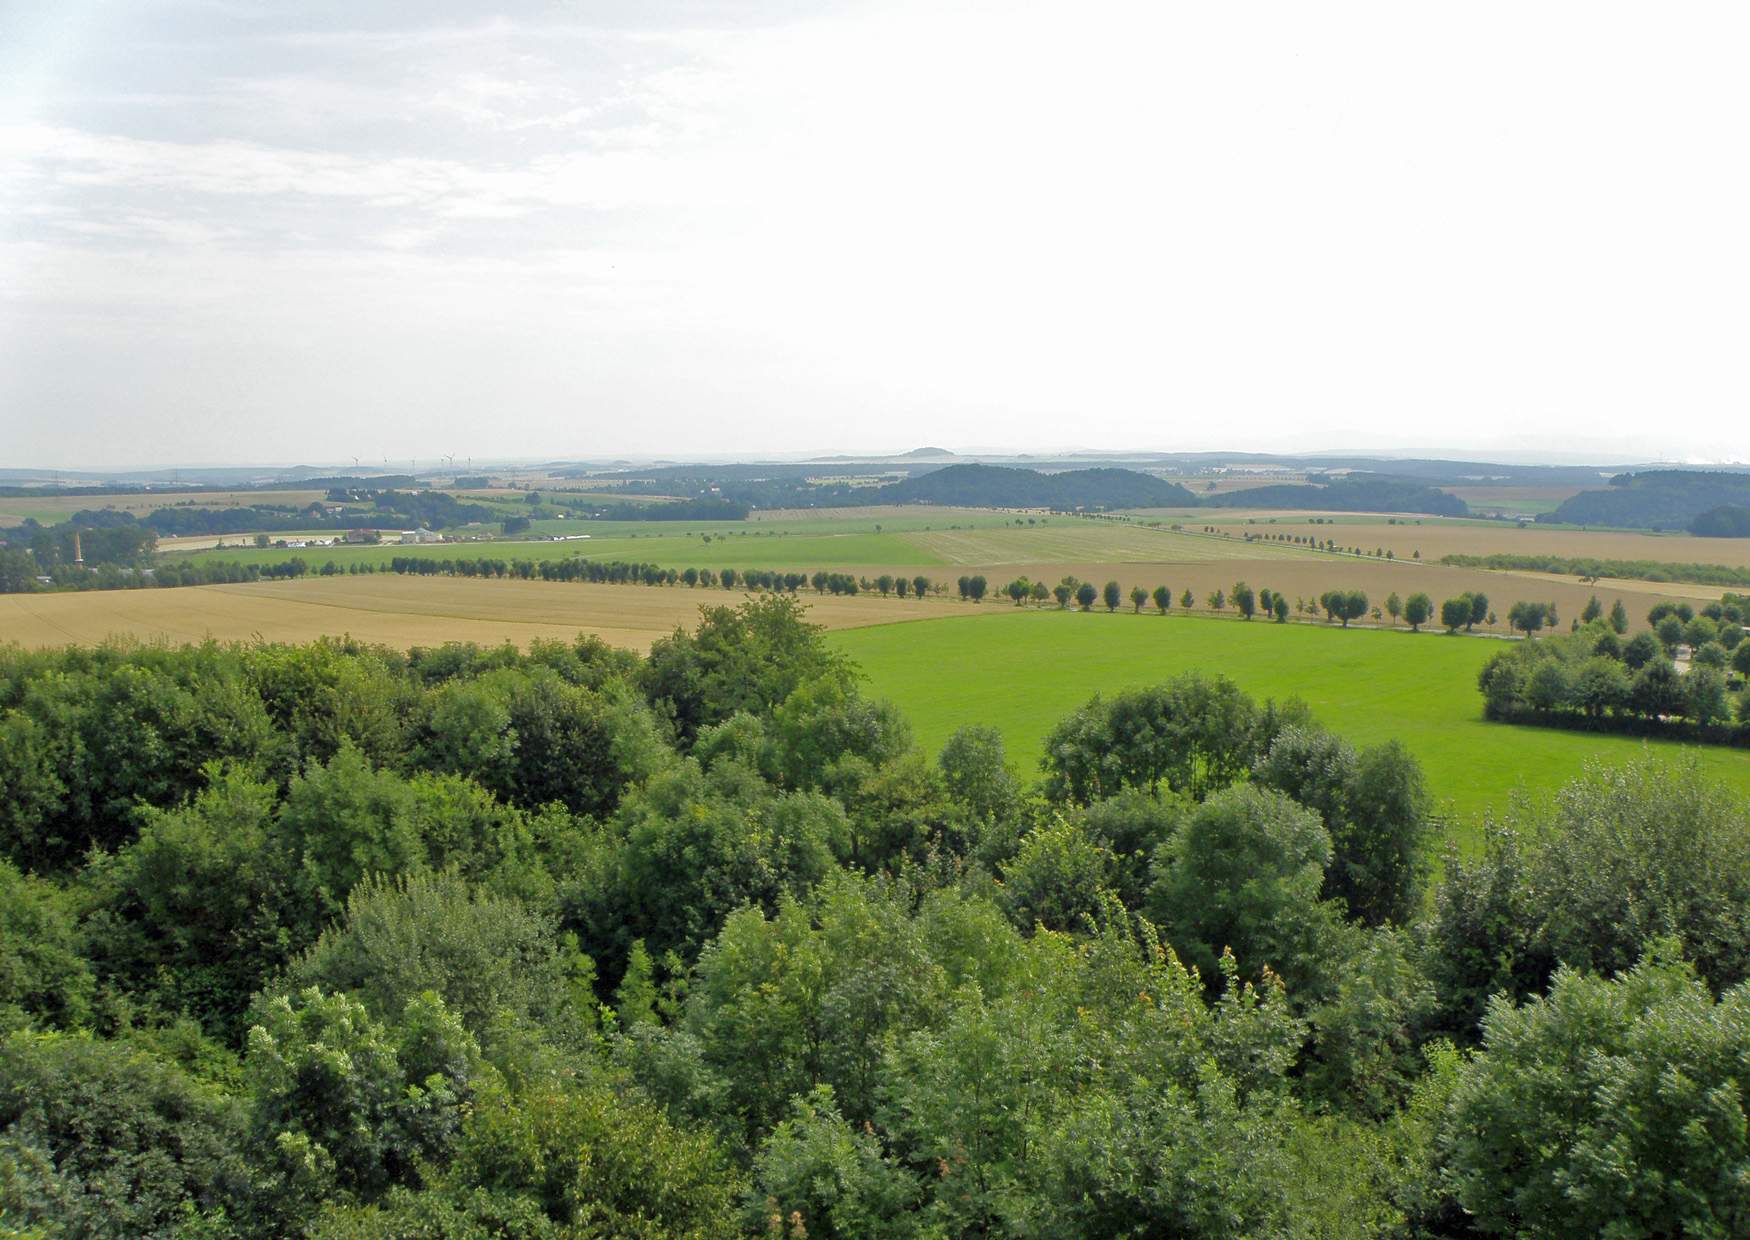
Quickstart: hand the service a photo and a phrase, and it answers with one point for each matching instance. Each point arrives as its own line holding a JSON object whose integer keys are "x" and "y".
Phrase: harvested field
{"x": 398, "y": 611}
{"x": 1435, "y": 537}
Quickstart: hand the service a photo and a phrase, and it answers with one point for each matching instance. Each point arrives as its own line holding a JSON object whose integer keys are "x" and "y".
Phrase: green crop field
{"x": 1024, "y": 670}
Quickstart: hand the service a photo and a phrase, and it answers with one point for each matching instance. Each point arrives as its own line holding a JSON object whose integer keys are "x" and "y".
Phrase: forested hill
{"x": 996, "y": 486}
{"x": 1667, "y": 499}
{"x": 1350, "y": 493}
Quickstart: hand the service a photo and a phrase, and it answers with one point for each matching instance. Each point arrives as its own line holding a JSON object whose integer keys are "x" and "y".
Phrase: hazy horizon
{"x": 286, "y": 233}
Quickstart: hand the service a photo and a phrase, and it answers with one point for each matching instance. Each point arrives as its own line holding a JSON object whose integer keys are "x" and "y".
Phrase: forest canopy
{"x": 333, "y": 941}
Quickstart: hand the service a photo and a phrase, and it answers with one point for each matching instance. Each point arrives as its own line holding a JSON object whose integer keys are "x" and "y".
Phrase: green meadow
{"x": 1023, "y": 670}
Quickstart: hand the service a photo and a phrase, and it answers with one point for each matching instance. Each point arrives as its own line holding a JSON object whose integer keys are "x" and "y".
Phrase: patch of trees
{"x": 1726, "y": 521}
{"x": 999, "y": 486}
{"x": 1595, "y": 680}
{"x": 1595, "y": 566}
{"x": 1660, "y": 499}
{"x": 333, "y": 941}
{"x": 1356, "y": 492}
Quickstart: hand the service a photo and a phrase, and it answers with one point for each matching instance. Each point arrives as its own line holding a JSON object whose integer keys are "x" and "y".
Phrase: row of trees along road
{"x": 334, "y": 941}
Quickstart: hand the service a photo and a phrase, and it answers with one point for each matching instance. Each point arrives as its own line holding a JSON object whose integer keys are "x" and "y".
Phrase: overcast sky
{"x": 266, "y": 231}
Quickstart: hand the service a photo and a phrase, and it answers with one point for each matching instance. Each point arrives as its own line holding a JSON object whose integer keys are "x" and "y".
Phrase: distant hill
{"x": 1726, "y": 521}
{"x": 996, "y": 486}
{"x": 1349, "y": 493}
{"x": 1659, "y": 499}
{"x": 916, "y": 452}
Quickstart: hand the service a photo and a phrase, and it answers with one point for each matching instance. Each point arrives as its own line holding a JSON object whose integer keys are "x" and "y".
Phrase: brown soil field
{"x": 49, "y": 507}
{"x": 399, "y": 611}
{"x": 1435, "y": 538}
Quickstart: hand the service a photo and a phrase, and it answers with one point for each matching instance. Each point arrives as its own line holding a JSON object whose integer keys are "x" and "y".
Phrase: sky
{"x": 284, "y": 231}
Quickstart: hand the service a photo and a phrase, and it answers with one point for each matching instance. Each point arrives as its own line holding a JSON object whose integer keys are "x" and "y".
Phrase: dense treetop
{"x": 333, "y": 941}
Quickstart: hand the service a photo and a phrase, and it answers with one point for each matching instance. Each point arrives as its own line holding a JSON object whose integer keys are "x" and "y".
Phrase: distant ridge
{"x": 917, "y": 452}
{"x": 995, "y": 486}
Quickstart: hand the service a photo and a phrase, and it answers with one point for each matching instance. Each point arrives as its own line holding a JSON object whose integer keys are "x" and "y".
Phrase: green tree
{"x": 1602, "y": 1108}
{"x": 976, "y": 770}
{"x": 343, "y": 1107}
{"x": 1528, "y": 618}
{"x": 1281, "y": 609}
{"x": 107, "y": 1139}
{"x": 1704, "y": 697}
{"x": 1417, "y": 608}
{"x": 1196, "y": 733}
{"x": 1138, "y": 596}
{"x": 1479, "y": 609}
{"x": 1060, "y": 876}
{"x": 1085, "y": 595}
{"x": 1112, "y": 595}
{"x": 1244, "y": 600}
{"x": 1377, "y": 809}
{"x": 747, "y": 658}
{"x": 1618, "y": 617}
{"x": 1594, "y": 610}
{"x": 1394, "y": 606}
{"x": 818, "y": 1176}
{"x": 1243, "y": 874}
{"x": 1455, "y": 613}
{"x": 44, "y": 977}
{"x": 1163, "y": 598}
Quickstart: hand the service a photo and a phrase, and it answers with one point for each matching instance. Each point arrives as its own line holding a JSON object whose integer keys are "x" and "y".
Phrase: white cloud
{"x": 1109, "y": 223}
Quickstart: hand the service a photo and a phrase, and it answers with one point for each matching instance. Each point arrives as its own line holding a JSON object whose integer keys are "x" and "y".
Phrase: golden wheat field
{"x": 398, "y": 611}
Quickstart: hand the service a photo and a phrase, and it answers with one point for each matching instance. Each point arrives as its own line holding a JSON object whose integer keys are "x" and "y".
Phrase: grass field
{"x": 50, "y": 507}
{"x": 1023, "y": 671}
{"x": 397, "y": 611}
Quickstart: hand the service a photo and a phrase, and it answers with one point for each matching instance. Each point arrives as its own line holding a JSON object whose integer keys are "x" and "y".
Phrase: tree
{"x": 1597, "y": 1110}
{"x": 1112, "y": 596}
{"x": 108, "y": 1139}
{"x": 976, "y": 588}
{"x": 1041, "y": 592}
{"x": 1741, "y": 659}
{"x": 1394, "y": 606}
{"x": 1163, "y": 599}
{"x": 976, "y": 770}
{"x": 1085, "y": 595}
{"x": 1377, "y": 809}
{"x": 1704, "y": 697}
{"x": 1187, "y": 600}
{"x": 1479, "y": 609}
{"x": 1281, "y": 609}
{"x": 1195, "y": 733}
{"x": 1344, "y": 605}
{"x": 1417, "y": 608}
{"x": 819, "y": 1176}
{"x": 1455, "y": 612}
{"x": 343, "y": 1107}
{"x": 1657, "y": 691}
{"x": 1618, "y": 617}
{"x": 1059, "y": 877}
{"x": 920, "y": 585}
{"x": 884, "y": 583}
{"x": 1244, "y": 600}
{"x": 1244, "y": 873}
{"x": 1594, "y": 610}
{"x": 1138, "y": 596}
{"x": 1528, "y": 618}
